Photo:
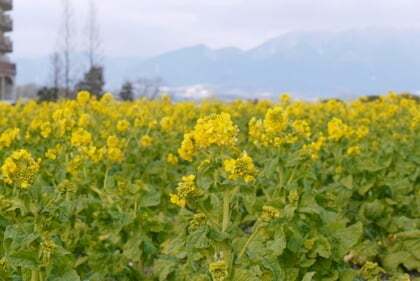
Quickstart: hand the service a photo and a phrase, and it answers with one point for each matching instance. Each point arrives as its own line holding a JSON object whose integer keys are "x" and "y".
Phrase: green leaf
{"x": 68, "y": 276}
{"x": 132, "y": 249}
{"x": 278, "y": 244}
{"x": 253, "y": 274}
{"x": 150, "y": 199}
{"x": 164, "y": 267}
{"x": 323, "y": 247}
{"x": 198, "y": 239}
{"x": 347, "y": 182}
{"x": 348, "y": 237}
{"x": 308, "y": 276}
{"x": 24, "y": 259}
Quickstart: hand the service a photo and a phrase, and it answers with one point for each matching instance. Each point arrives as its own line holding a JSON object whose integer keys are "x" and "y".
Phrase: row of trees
{"x": 64, "y": 82}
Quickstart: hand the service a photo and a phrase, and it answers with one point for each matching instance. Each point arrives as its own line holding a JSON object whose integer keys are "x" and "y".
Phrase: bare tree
{"x": 56, "y": 70}
{"x": 93, "y": 79}
{"x": 67, "y": 34}
{"x": 148, "y": 87}
{"x": 93, "y": 34}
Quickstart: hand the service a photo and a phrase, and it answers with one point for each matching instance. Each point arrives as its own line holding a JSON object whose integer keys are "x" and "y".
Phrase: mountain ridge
{"x": 311, "y": 63}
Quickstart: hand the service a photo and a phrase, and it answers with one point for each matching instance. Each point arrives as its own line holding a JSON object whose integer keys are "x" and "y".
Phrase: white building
{"x": 7, "y": 68}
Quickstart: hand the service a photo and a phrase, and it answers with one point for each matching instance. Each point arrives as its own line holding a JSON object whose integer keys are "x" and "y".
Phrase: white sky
{"x": 149, "y": 27}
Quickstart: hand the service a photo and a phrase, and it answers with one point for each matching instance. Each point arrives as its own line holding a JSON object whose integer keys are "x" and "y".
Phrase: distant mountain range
{"x": 309, "y": 64}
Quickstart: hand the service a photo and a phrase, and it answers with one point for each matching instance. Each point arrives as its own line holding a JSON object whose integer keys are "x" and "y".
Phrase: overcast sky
{"x": 148, "y": 27}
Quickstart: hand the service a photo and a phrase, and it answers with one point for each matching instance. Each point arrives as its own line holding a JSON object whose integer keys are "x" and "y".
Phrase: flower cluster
{"x": 146, "y": 141}
{"x": 243, "y": 167}
{"x": 215, "y": 129}
{"x": 114, "y": 150}
{"x": 276, "y": 120}
{"x": 219, "y": 271}
{"x": 8, "y": 137}
{"x": 81, "y": 137}
{"x": 20, "y": 169}
{"x": 338, "y": 130}
{"x": 185, "y": 189}
{"x": 269, "y": 214}
{"x": 197, "y": 221}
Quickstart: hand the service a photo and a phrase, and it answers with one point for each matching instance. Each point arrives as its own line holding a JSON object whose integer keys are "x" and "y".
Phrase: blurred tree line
{"x": 63, "y": 69}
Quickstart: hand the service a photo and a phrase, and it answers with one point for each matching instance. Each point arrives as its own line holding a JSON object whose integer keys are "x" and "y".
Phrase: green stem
{"x": 106, "y": 178}
{"x": 292, "y": 175}
{"x": 34, "y": 275}
{"x": 253, "y": 235}
{"x": 225, "y": 223}
{"x": 226, "y": 211}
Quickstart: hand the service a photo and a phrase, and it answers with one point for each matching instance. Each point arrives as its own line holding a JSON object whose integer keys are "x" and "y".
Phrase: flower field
{"x": 104, "y": 190}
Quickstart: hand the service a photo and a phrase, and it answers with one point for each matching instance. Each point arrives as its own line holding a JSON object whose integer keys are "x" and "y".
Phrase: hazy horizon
{"x": 145, "y": 28}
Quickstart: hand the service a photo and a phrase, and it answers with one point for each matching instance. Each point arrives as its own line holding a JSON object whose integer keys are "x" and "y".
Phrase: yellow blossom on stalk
{"x": 84, "y": 120}
{"x": 293, "y": 196}
{"x": 176, "y": 200}
{"x": 289, "y": 138}
{"x": 115, "y": 154}
{"x": 314, "y": 148}
{"x": 187, "y": 149}
{"x": 302, "y": 128}
{"x": 337, "y": 129}
{"x": 51, "y": 154}
{"x": 113, "y": 141}
{"x": 353, "y": 150}
{"x": 107, "y": 98}
{"x": 285, "y": 99}
{"x": 361, "y": 132}
{"x": 197, "y": 221}
{"x": 153, "y": 124}
{"x": 8, "y": 137}
{"x": 122, "y": 126}
{"x": 93, "y": 153}
{"x": 74, "y": 165}
{"x": 81, "y": 137}
{"x": 219, "y": 271}
{"x": 20, "y": 169}
{"x": 83, "y": 97}
{"x": 257, "y": 133}
{"x": 45, "y": 130}
{"x": 242, "y": 167}
{"x": 166, "y": 123}
{"x": 269, "y": 214}
{"x": 146, "y": 141}
{"x": 47, "y": 248}
{"x": 275, "y": 120}
{"x": 186, "y": 187}
{"x": 371, "y": 271}
{"x": 35, "y": 124}
{"x": 215, "y": 129}
{"x": 113, "y": 149}
{"x": 172, "y": 159}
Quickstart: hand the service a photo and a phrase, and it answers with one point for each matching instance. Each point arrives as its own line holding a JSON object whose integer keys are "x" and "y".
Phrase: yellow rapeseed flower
{"x": 146, "y": 141}
{"x": 20, "y": 169}
{"x": 186, "y": 188}
{"x": 8, "y": 137}
{"x": 242, "y": 167}
{"x": 83, "y": 97}
{"x": 337, "y": 129}
{"x": 275, "y": 120}
{"x": 172, "y": 159}
{"x": 123, "y": 125}
{"x": 215, "y": 129}
{"x": 81, "y": 137}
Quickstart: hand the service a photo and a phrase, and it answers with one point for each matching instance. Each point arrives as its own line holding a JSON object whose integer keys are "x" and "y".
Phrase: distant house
{"x": 7, "y": 68}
